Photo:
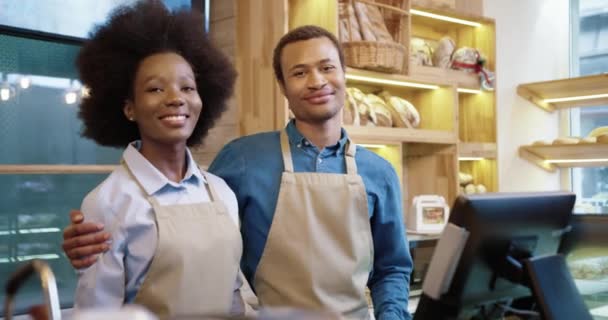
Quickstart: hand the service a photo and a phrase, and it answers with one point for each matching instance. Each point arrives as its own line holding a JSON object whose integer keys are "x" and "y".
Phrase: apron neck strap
{"x": 210, "y": 189}
{"x": 287, "y": 161}
{"x": 349, "y": 154}
{"x": 349, "y": 157}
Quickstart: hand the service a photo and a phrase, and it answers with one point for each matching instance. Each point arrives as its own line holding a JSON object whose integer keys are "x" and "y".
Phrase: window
{"x": 46, "y": 168}
{"x": 590, "y": 56}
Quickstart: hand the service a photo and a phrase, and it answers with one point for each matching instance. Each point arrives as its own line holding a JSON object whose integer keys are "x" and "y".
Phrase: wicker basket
{"x": 384, "y": 56}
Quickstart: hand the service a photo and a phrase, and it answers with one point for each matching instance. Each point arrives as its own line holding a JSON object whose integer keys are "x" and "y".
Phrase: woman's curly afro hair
{"x": 107, "y": 64}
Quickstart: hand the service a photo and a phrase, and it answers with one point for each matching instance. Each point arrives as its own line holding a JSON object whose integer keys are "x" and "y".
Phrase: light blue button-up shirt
{"x": 122, "y": 206}
{"x": 252, "y": 167}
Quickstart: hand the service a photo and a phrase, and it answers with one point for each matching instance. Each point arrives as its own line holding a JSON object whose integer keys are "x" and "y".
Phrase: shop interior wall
{"x": 532, "y": 45}
{"x": 222, "y": 30}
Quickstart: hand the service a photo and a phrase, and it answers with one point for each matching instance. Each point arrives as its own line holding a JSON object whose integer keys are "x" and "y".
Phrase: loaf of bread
{"x": 442, "y": 56}
{"x": 350, "y": 115}
{"x": 349, "y": 26}
{"x": 598, "y": 131}
{"x": 541, "y": 143}
{"x": 602, "y": 138}
{"x": 566, "y": 140}
{"x": 464, "y": 178}
{"x": 588, "y": 140}
{"x": 367, "y": 116}
{"x": 371, "y": 23}
{"x": 420, "y": 52}
{"x": 403, "y": 113}
{"x": 380, "y": 109}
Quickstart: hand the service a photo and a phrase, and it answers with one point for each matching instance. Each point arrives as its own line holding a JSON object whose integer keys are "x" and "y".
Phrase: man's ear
{"x": 128, "y": 110}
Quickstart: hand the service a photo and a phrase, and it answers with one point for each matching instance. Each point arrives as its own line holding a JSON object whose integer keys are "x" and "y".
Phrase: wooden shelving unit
{"x": 571, "y": 155}
{"x": 539, "y": 92}
{"x": 452, "y": 124}
{"x": 477, "y": 150}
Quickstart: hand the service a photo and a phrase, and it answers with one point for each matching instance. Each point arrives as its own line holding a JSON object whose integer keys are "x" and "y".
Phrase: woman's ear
{"x": 128, "y": 110}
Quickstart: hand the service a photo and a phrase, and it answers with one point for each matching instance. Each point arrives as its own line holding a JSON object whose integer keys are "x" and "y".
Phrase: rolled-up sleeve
{"x": 103, "y": 283}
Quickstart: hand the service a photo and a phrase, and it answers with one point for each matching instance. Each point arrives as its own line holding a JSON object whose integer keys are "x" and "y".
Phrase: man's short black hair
{"x": 107, "y": 64}
{"x": 300, "y": 34}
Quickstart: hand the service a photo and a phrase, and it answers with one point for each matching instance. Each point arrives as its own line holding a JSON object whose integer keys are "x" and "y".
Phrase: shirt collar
{"x": 296, "y": 137}
{"x": 150, "y": 178}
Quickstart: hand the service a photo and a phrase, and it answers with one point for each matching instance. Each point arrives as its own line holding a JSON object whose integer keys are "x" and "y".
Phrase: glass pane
{"x": 591, "y": 184}
{"x": 38, "y": 106}
{"x": 33, "y": 211}
{"x": 58, "y": 16}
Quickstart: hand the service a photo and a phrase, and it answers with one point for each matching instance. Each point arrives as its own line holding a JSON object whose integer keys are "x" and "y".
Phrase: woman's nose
{"x": 174, "y": 98}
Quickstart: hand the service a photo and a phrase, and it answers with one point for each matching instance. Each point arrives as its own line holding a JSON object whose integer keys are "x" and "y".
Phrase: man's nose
{"x": 316, "y": 80}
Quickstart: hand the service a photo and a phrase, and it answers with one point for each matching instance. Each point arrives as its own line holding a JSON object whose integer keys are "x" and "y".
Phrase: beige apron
{"x": 319, "y": 250}
{"x": 196, "y": 262}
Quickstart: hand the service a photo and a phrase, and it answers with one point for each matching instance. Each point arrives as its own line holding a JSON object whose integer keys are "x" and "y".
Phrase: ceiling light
{"x": 24, "y": 82}
{"x": 391, "y": 82}
{"x": 470, "y": 158}
{"x": 444, "y": 18}
{"x": 577, "y": 98}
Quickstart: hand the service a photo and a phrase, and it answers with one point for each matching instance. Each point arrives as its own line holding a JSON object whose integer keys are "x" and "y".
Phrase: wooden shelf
{"x": 477, "y": 150}
{"x": 537, "y": 92}
{"x": 461, "y": 79}
{"x": 401, "y": 135}
{"x": 589, "y": 151}
{"x": 392, "y": 77}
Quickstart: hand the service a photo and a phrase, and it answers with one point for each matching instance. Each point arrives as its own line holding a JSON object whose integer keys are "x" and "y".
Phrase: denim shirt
{"x": 252, "y": 166}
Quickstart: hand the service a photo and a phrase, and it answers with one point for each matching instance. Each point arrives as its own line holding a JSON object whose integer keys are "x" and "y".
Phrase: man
{"x": 321, "y": 218}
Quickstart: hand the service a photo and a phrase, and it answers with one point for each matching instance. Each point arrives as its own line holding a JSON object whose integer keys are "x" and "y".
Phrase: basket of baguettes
{"x": 372, "y": 33}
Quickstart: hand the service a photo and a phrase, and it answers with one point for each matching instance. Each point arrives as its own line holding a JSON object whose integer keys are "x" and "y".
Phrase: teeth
{"x": 180, "y": 117}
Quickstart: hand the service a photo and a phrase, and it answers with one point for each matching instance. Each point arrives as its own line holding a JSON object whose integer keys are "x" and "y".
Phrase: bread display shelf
{"x": 477, "y": 150}
{"x": 591, "y": 155}
{"x": 393, "y": 80}
{"x": 539, "y": 92}
{"x": 462, "y": 79}
{"x": 401, "y": 135}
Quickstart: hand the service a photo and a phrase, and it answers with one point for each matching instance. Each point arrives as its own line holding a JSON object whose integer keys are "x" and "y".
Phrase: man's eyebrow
{"x": 304, "y": 65}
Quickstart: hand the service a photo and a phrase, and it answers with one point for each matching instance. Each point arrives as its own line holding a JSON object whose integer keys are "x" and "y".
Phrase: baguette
{"x": 349, "y": 26}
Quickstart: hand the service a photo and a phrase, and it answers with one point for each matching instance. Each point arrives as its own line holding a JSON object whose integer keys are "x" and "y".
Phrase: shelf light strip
{"x": 444, "y": 18}
{"x": 577, "y": 98}
{"x": 577, "y": 160}
{"x": 470, "y": 158}
{"x": 465, "y": 90}
{"x": 391, "y": 82}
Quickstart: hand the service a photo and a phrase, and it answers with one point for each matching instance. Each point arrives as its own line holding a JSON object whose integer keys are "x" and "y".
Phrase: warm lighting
{"x": 577, "y": 98}
{"x": 472, "y": 91}
{"x": 85, "y": 92}
{"x": 71, "y": 97}
{"x": 24, "y": 82}
{"x": 5, "y": 93}
{"x": 372, "y": 146}
{"x": 391, "y": 82}
{"x": 444, "y": 18}
{"x": 576, "y": 160}
{"x": 470, "y": 158}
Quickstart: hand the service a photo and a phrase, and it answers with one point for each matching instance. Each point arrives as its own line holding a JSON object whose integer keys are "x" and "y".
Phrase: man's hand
{"x": 82, "y": 241}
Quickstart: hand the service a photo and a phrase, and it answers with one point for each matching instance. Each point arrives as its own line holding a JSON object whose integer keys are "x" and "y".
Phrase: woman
{"x": 157, "y": 86}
